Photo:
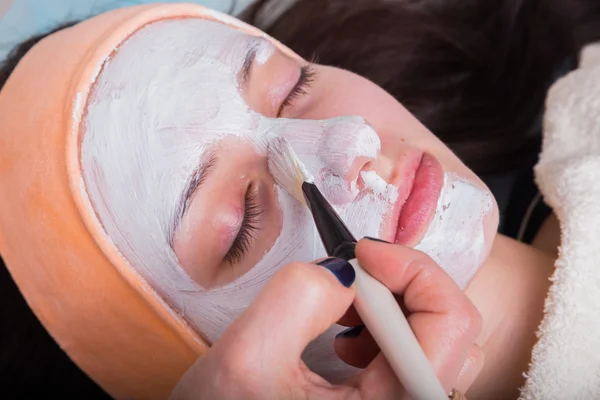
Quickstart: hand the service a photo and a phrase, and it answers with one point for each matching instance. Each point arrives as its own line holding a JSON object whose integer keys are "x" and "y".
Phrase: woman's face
{"x": 237, "y": 202}
{"x": 175, "y": 161}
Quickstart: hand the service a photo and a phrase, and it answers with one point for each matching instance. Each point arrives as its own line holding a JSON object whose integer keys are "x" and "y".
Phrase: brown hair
{"x": 475, "y": 73}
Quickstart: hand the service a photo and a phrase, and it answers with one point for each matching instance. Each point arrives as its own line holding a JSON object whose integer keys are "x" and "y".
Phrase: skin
{"x": 444, "y": 320}
{"x": 508, "y": 290}
{"x": 332, "y": 93}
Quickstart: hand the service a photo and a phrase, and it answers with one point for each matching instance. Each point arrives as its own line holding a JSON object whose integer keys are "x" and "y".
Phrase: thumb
{"x": 471, "y": 369}
{"x": 298, "y": 303}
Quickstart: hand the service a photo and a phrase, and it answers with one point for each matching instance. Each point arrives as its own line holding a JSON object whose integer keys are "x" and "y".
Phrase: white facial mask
{"x": 167, "y": 96}
{"x": 455, "y": 237}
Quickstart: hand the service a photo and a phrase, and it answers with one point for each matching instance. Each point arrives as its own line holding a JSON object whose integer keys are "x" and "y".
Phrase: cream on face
{"x": 455, "y": 237}
{"x": 164, "y": 100}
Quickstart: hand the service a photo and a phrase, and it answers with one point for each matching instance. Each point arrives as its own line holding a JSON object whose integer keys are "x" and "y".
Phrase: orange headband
{"x": 100, "y": 311}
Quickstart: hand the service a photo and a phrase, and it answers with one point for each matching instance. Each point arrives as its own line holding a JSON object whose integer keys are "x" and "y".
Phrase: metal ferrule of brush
{"x": 335, "y": 235}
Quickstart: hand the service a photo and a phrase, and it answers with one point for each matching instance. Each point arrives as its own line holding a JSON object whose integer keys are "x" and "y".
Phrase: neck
{"x": 509, "y": 291}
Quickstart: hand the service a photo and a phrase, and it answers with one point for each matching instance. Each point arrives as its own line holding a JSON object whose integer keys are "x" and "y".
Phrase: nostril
{"x": 359, "y": 165}
{"x": 368, "y": 166}
{"x": 365, "y": 167}
{"x": 383, "y": 167}
{"x": 360, "y": 182}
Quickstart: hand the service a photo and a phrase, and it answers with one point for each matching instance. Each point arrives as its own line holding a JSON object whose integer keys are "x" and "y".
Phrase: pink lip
{"x": 419, "y": 190}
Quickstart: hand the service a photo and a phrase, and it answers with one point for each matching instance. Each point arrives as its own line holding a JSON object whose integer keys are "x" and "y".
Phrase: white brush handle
{"x": 386, "y": 322}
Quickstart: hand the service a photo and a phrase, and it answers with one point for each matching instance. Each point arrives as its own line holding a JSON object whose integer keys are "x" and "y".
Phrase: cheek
{"x": 348, "y": 94}
{"x": 344, "y": 93}
{"x": 402, "y": 129}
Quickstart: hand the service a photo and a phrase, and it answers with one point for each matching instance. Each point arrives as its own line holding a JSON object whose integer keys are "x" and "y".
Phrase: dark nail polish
{"x": 342, "y": 270}
{"x": 351, "y": 332}
{"x": 376, "y": 240}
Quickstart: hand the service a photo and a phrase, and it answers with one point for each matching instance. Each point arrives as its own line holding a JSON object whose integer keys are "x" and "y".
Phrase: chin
{"x": 461, "y": 233}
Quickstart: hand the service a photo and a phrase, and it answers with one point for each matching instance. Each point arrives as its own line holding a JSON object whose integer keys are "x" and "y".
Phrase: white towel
{"x": 566, "y": 360}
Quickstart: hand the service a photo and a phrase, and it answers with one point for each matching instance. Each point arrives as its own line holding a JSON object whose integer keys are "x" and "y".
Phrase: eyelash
{"x": 307, "y": 77}
{"x": 241, "y": 244}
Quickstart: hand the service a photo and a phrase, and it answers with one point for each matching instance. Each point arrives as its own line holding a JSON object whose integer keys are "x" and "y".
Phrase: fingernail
{"x": 376, "y": 240}
{"x": 351, "y": 332}
{"x": 342, "y": 270}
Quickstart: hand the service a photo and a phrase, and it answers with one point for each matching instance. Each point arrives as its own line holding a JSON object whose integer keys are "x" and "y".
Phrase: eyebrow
{"x": 247, "y": 65}
{"x": 199, "y": 177}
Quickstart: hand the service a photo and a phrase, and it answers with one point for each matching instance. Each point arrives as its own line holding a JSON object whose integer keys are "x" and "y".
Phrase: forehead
{"x": 210, "y": 48}
{"x": 173, "y": 73}
{"x": 198, "y": 41}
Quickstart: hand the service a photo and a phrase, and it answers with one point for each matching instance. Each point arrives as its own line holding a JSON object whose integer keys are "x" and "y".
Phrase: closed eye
{"x": 246, "y": 235}
{"x": 307, "y": 76}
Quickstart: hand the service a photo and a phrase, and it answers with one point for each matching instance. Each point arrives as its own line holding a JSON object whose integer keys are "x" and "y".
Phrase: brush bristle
{"x": 287, "y": 169}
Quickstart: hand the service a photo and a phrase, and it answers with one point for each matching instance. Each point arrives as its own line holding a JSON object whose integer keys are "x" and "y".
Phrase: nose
{"x": 383, "y": 168}
{"x": 347, "y": 144}
{"x": 335, "y": 151}
{"x": 347, "y": 147}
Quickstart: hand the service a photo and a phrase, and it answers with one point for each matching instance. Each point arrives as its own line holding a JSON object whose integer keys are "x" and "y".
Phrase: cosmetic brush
{"x": 374, "y": 302}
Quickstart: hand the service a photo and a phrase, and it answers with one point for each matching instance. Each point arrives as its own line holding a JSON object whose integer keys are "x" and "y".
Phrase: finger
{"x": 378, "y": 380}
{"x": 298, "y": 303}
{"x": 356, "y": 347}
{"x": 443, "y": 319}
{"x": 471, "y": 369}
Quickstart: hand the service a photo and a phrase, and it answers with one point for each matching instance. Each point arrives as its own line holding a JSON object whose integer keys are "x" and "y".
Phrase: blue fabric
{"x": 26, "y": 18}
